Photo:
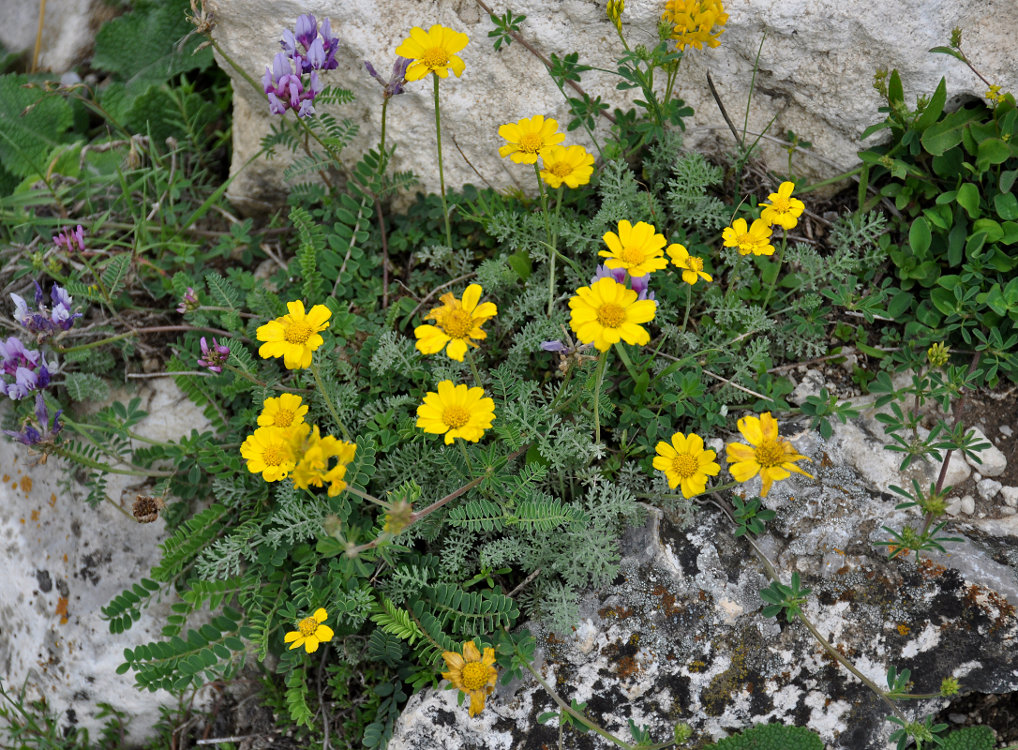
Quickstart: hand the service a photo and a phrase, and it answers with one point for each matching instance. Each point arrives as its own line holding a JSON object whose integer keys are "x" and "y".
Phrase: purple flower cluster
{"x": 213, "y": 357}
{"x": 394, "y": 85}
{"x": 29, "y": 435}
{"x": 306, "y": 51}
{"x": 72, "y": 241}
{"x": 22, "y": 370}
{"x": 189, "y": 301}
{"x": 45, "y": 320}
{"x": 639, "y": 284}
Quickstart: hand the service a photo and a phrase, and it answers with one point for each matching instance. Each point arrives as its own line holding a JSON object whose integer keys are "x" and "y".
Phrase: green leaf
{"x": 1007, "y": 180}
{"x": 968, "y": 198}
{"x": 934, "y": 108}
{"x": 970, "y": 738}
{"x": 919, "y": 237}
{"x": 84, "y": 386}
{"x": 766, "y": 736}
{"x": 948, "y": 51}
{"x": 115, "y": 272}
{"x": 520, "y": 263}
{"x": 1006, "y": 205}
{"x": 32, "y": 124}
{"x": 992, "y": 151}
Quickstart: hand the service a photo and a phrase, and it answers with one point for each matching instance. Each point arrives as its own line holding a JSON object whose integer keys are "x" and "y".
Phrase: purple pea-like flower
{"x": 29, "y": 434}
{"x": 45, "y": 320}
{"x": 213, "y": 357}
{"x": 394, "y": 86}
{"x": 640, "y": 285}
{"x": 71, "y": 240}
{"x": 188, "y": 302}
{"x": 554, "y": 346}
{"x": 286, "y": 90}
{"x": 306, "y": 50}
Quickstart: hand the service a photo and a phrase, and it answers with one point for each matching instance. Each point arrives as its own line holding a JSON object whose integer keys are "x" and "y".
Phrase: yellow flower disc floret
{"x": 754, "y": 239}
{"x": 433, "y": 51}
{"x": 685, "y": 463}
{"x": 310, "y": 632}
{"x": 529, "y": 138}
{"x": 456, "y": 411}
{"x": 770, "y": 456}
{"x": 783, "y": 210}
{"x": 285, "y": 411}
{"x": 457, "y": 323}
{"x": 638, "y": 249}
{"x": 571, "y": 165}
{"x": 295, "y": 335}
{"x": 472, "y": 674}
{"x": 607, "y": 312}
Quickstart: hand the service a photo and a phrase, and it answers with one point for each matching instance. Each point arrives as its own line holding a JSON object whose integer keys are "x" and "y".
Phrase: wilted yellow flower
{"x": 755, "y": 239}
{"x": 638, "y": 249}
{"x": 295, "y": 335}
{"x": 457, "y": 412}
{"x": 529, "y": 138}
{"x": 686, "y": 463}
{"x": 770, "y": 456}
{"x": 607, "y": 312}
{"x": 310, "y": 632}
{"x": 569, "y": 164}
{"x": 693, "y": 22}
{"x": 315, "y": 454}
{"x": 285, "y": 411}
{"x": 433, "y": 51}
{"x": 783, "y": 210}
{"x": 472, "y": 674}
{"x": 692, "y": 268}
{"x": 457, "y": 323}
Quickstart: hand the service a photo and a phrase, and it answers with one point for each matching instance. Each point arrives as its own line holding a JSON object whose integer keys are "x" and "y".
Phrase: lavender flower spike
{"x": 394, "y": 86}
{"x": 213, "y": 357}
{"x": 29, "y": 435}
{"x": 71, "y": 240}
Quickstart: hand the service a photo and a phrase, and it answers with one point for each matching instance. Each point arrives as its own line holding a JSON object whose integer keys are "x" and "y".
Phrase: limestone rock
{"x": 993, "y": 459}
{"x": 815, "y": 75}
{"x": 968, "y": 505}
{"x": 679, "y": 635}
{"x": 64, "y": 561}
{"x": 1010, "y": 495}
{"x": 68, "y": 32}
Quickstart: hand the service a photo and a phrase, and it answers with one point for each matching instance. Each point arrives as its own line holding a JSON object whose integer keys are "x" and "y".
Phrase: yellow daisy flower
{"x": 693, "y": 22}
{"x": 272, "y": 451}
{"x": 295, "y": 335}
{"x": 529, "y": 138}
{"x": 433, "y": 51}
{"x": 686, "y": 463}
{"x": 783, "y": 210}
{"x": 458, "y": 322}
{"x": 285, "y": 411}
{"x": 638, "y": 249}
{"x": 312, "y": 470}
{"x": 755, "y": 239}
{"x": 456, "y": 411}
{"x": 472, "y": 674}
{"x": 692, "y": 268}
{"x": 310, "y": 632}
{"x": 770, "y": 456}
{"x": 569, "y": 164}
{"x": 607, "y": 312}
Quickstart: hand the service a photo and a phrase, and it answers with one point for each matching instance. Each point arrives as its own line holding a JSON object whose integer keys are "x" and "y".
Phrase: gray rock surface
{"x": 68, "y": 32}
{"x": 63, "y": 561}
{"x": 994, "y": 462}
{"x": 679, "y": 635}
{"x": 815, "y": 74}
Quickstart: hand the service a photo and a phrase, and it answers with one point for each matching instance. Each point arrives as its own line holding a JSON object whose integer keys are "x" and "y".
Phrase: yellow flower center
{"x": 633, "y": 255}
{"x": 308, "y": 626}
{"x": 611, "y": 316}
{"x": 685, "y": 465}
{"x": 436, "y": 57}
{"x": 297, "y": 332}
{"x": 283, "y": 418}
{"x": 561, "y": 169}
{"x": 475, "y": 675}
{"x": 274, "y": 455}
{"x": 745, "y": 240}
{"x": 457, "y": 323}
{"x": 770, "y": 454}
{"x": 531, "y": 143}
{"x": 694, "y": 264}
{"x": 780, "y": 203}
{"x": 455, "y": 416}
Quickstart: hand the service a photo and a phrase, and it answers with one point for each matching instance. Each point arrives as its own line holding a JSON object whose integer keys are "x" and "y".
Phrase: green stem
{"x": 547, "y": 233}
{"x": 624, "y": 356}
{"x": 466, "y": 456}
{"x": 777, "y": 272}
{"x": 136, "y": 472}
{"x": 689, "y": 302}
{"x": 328, "y": 401}
{"x": 441, "y": 173}
{"x": 365, "y": 496}
{"x": 473, "y": 368}
{"x": 602, "y": 360}
{"x": 381, "y": 140}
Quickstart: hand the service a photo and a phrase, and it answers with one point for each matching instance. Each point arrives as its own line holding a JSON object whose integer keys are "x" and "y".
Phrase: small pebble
{"x": 953, "y": 506}
{"x": 968, "y": 505}
{"x": 988, "y": 488}
{"x": 1010, "y": 495}
{"x": 957, "y": 718}
{"x": 1006, "y": 431}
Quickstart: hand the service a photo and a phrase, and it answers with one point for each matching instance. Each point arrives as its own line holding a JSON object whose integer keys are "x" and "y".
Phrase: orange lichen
{"x": 62, "y": 609}
{"x": 52, "y": 501}
{"x": 26, "y": 484}
{"x": 903, "y": 629}
{"x": 35, "y": 515}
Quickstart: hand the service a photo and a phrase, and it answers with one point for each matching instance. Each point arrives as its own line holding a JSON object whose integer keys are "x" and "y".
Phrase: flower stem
{"x": 598, "y": 378}
{"x": 774, "y": 281}
{"x": 466, "y": 456}
{"x": 365, "y": 496}
{"x": 473, "y": 367}
{"x": 328, "y": 401}
{"x": 547, "y": 233}
{"x": 689, "y": 302}
{"x": 441, "y": 173}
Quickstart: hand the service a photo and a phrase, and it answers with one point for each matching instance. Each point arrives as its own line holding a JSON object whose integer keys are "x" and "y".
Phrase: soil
{"x": 999, "y": 712}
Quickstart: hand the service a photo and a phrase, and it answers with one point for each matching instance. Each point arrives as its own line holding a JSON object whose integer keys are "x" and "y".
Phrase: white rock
{"x": 1010, "y": 495}
{"x": 815, "y": 74}
{"x": 957, "y": 470}
{"x": 953, "y": 507}
{"x": 810, "y": 384}
{"x": 968, "y": 505}
{"x": 993, "y": 460}
{"x": 68, "y": 31}
{"x": 988, "y": 488}
{"x": 1006, "y": 431}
